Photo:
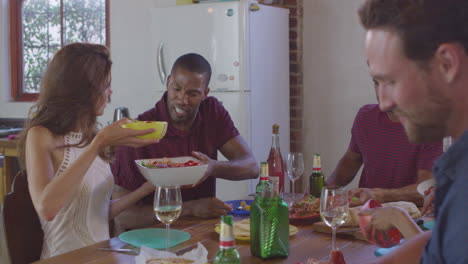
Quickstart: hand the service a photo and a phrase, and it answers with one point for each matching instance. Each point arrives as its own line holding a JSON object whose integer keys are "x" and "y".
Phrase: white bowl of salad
{"x": 172, "y": 171}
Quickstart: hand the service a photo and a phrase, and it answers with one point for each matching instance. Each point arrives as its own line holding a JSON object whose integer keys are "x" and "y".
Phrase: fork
{"x": 121, "y": 250}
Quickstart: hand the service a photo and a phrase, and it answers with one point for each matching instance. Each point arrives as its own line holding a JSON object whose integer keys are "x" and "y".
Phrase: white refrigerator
{"x": 247, "y": 46}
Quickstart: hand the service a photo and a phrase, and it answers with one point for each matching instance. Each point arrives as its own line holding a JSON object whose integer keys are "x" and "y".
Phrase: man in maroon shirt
{"x": 393, "y": 167}
{"x": 198, "y": 126}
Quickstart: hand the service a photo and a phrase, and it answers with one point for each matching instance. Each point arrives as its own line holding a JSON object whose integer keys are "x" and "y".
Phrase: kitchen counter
{"x": 10, "y": 167}
{"x": 9, "y": 144}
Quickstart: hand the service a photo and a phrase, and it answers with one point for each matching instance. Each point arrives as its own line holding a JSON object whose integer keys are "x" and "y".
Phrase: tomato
{"x": 189, "y": 163}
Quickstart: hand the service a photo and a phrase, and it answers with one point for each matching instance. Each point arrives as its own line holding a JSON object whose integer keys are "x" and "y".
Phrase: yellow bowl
{"x": 159, "y": 126}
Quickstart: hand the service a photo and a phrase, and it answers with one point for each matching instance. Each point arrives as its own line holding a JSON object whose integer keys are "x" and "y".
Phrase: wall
{"x": 336, "y": 80}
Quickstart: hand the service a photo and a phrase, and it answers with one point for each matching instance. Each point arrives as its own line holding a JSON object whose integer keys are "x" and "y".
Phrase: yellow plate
{"x": 242, "y": 229}
{"x": 159, "y": 126}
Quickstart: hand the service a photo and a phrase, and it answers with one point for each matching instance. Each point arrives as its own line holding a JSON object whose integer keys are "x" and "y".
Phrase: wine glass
{"x": 334, "y": 208}
{"x": 167, "y": 206}
{"x": 295, "y": 168}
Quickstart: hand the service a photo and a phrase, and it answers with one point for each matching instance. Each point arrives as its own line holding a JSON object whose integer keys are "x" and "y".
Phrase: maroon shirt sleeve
{"x": 353, "y": 145}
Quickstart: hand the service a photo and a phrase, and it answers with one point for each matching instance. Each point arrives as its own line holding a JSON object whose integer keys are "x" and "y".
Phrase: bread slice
{"x": 411, "y": 208}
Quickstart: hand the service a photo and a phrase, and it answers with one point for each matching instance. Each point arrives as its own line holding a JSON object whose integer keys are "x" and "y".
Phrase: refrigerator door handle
{"x": 161, "y": 66}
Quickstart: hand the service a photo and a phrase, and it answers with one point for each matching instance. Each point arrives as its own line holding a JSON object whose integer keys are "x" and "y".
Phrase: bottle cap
{"x": 275, "y": 129}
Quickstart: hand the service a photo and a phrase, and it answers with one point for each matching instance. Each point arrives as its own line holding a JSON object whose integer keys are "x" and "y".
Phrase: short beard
{"x": 429, "y": 125}
{"x": 419, "y": 134}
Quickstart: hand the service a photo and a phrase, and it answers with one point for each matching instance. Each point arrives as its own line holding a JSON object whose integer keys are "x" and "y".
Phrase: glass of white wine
{"x": 167, "y": 206}
{"x": 334, "y": 206}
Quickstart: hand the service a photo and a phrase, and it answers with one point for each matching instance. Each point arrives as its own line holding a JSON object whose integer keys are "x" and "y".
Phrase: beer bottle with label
{"x": 316, "y": 179}
{"x": 264, "y": 178}
{"x": 227, "y": 253}
{"x": 275, "y": 162}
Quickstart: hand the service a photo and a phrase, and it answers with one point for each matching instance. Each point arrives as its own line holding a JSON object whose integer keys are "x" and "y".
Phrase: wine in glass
{"x": 334, "y": 208}
{"x": 295, "y": 169}
{"x": 167, "y": 206}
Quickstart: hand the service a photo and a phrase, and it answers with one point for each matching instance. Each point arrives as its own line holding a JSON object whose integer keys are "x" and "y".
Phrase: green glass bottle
{"x": 269, "y": 226}
{"x": 227, "y": 253}
{"x": 316, "y": 179}
{"x": 264, "y": 178}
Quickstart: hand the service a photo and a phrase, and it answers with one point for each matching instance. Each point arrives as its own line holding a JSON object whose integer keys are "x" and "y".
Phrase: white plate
{"x": 423, "y": 186}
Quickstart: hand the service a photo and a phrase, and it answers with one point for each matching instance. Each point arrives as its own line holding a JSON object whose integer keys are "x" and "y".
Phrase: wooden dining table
{"x": 306, "y": 243}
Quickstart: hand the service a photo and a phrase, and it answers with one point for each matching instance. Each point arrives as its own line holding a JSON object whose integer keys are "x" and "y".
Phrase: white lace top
{"x": 85, "y": 220}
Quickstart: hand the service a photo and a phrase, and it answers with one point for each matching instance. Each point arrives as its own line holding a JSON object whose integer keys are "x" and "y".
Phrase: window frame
{"x": 16, "y": 50}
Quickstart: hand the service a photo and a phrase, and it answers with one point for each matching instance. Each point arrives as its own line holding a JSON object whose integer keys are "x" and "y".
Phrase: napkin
{"x": 199, "y": 255}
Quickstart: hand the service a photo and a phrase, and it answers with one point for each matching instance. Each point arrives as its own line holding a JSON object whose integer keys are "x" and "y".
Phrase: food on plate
{"x": 308, "y": 206}
{"x": 167, "y": 163}
{"x": 411, "y": 208}
{"x": 243, "y": 204}
{"x": 242, "y": 228}
{"x": 169, "y": 261}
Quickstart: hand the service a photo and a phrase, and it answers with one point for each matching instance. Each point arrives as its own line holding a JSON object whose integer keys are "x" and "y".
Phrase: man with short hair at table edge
{"x": 393, "y": 167}
{"x": 198, "y": 126}
{"x": 417, "y": 52}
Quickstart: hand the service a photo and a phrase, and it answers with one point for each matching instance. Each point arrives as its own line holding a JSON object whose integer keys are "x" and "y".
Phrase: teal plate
{"x": 154, "y": 237}
{"x": 429, "y": 224}
{"x": 384, "y": 251}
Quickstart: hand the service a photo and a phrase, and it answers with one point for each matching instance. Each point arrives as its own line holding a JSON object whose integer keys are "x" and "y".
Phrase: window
{"x": 38, "y": 28}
